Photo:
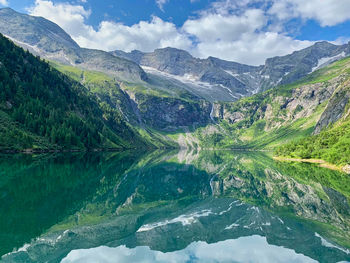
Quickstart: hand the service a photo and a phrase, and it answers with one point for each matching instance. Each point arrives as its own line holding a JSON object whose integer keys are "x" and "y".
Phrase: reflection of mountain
{"x": 156, "y": 201}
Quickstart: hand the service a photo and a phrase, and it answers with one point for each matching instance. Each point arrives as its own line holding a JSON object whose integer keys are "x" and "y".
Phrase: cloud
{"x": 251, "y": 49}
{"x": 161, "y": 4}
{"x": 239, "y": 37}
{"x": 220, "y": 31}
{"x": 326, "y": 12}
{"x": 146, "y": 35}
{"x": 4, "y": 2}
{"x": 70, "y": 17}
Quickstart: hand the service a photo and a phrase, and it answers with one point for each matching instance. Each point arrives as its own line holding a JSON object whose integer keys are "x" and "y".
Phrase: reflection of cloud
{"x": 244, "y": 249}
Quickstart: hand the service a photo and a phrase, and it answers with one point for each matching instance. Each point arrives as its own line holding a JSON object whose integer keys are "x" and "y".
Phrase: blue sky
{"x": 247, "y": 31}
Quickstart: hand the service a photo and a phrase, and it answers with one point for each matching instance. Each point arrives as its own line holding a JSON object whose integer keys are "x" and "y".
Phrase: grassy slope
{"x": 331, "y": 145}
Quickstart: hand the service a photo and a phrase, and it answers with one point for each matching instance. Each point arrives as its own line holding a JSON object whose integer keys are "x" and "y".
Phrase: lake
{"x": 170, "y": 206}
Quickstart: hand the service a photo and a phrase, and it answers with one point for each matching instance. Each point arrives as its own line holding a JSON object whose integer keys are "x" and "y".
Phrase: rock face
{"x": 43, "y": 37}
{"x": 335, "y": 108}
{"x": 166, "y": 113}
{"x": 290, "y": 68}
{"x": 223, "y": 79}
{"x": 278, "y": 110}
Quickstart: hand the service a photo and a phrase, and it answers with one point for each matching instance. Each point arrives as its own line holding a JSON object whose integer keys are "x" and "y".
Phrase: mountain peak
{"x": 173, "y": 51}
{"x": 35, "y": 31}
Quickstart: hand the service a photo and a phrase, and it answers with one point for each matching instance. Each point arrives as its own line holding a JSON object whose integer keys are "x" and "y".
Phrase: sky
{"x": 245, "y": 31}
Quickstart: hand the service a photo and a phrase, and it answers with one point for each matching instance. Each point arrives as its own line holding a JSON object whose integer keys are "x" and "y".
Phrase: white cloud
{"x": 251, "y": 49}
{"x": 218, "y": 32}
{"x": 146, "y": 35}
{"x": 70, "y": 17}
{"x": 239, "y": 38}
{"x": 4, "y": 2}
{"x": 214, "y": 27}
{"x": 161, "y": 4}
{"x": 326, "y": 12}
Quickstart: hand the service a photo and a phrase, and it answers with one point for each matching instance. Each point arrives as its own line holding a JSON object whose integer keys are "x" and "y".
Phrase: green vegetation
{"x": 331, "y": 145}
{"x": 41, "y": 108}
{"x": 265, "y": 121}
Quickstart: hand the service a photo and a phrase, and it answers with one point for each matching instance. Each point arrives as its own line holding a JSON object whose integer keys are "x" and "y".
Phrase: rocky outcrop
{"x": 290, "y": 68}
{"x": 167, "y": 113}
{"x": 216, "y": 75}
{"x": 278, "y": 109}
{"x": 335, "y": 108}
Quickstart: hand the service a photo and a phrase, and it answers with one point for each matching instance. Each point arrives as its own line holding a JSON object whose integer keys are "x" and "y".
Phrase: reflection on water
{"x": 171, "y": 207}
{"x": 243, "y": 249}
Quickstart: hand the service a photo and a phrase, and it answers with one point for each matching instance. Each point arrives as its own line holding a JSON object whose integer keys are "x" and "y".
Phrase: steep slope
{"x": 144, "y": 106}
{"x": 43, "y": 37}
{"x": 331, "y": 139}
{"x": 154, "y": 102}
{"x": 42, "y": 108}
{"x": 282, "y": 114}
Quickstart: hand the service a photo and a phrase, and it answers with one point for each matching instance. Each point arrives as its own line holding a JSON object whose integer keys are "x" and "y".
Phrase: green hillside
{"x": 331, "y": 145}
{"x": 42, "y": 108}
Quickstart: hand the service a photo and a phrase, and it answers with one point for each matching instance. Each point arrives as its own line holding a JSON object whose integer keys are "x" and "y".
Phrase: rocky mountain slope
{"x": 282, "y": 114}
{"x": 43, "y": 37}
{"x": 220, "y": 80}
{"x": 213, "y": 79}
{"x": 331, "y": 138}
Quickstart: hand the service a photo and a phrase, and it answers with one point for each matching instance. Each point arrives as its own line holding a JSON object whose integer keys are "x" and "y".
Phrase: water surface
{"x": 208, "y": 206}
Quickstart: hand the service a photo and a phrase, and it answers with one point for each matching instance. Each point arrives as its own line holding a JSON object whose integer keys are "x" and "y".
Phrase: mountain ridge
{"x": 279, "y": 70}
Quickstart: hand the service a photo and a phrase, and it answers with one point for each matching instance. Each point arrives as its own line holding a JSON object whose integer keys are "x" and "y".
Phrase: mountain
{"x": 290, "y": 68}
{"x": 331, "y": 137}
{"x": 219, "y": 80}
{"x": 40, "y": 108}
{"x": 43, "y": 37}
{"x": 283, "y": 114}
{"x": 212, "y": 78}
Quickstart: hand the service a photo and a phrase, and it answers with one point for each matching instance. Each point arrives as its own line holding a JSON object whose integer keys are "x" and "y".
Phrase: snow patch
{"x": 231, "y": 226}
{"x": 327, "y": 60}
{"x": 325, "y": 243}
{"x": 183, "y": 219}
{"x": 35, "y": 48}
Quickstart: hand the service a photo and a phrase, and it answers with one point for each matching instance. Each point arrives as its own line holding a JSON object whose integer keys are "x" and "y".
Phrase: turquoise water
{"x": 209, "y": 206}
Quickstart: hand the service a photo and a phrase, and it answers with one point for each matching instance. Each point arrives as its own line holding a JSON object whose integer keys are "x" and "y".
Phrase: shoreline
{"x": 321, "y": 163}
